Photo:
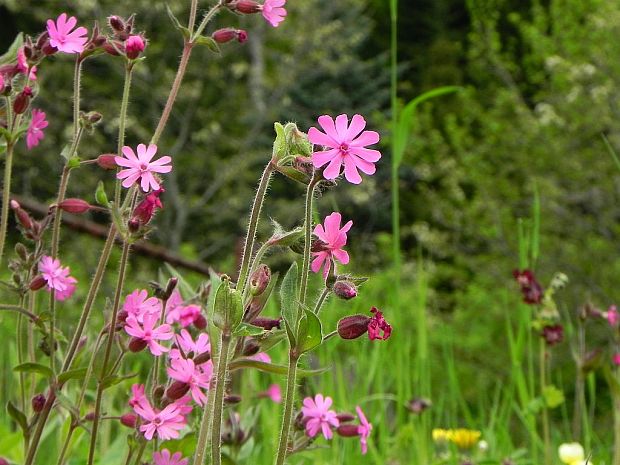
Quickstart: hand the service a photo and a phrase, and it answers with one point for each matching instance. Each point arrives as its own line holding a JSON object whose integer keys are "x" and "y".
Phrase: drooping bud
{"x": 347, "y": 431}
{"x": 129, "y": 420}
{"x": 106, "y": 161}
{"x": 232, "y": 399}
{"x": 137, "y": 344}
{"x": 552, "y": 334}
{"x": 134, "y": 46}
{"x": 247, "y": 7}
{"x": 202, "y": 358}
{"x": 74, "y": 205}
{"x": 266, "y": 323}
{"x": 344, "y": 290}
{"x": 38, "y": 402}
{"x": 260, "y": 280}
{"x": 221, "y": 36}
{"x": 177, "y": 390}
{"x": 200, "y": 322}
{"x": 352, "y": 327}
{"x": 37, "y": 283}
{"x": 22, "y": 215}
{"x": 116, "y": 23}
{"x": 250, "y": 348}
{"x": 145, "y": 210}
{"x": 345, "y": 417}
{"x": 22, "y": 101}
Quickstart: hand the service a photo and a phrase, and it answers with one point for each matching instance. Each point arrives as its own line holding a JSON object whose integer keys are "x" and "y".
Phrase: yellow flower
{"x": 571, "y": 453}
{"x": 440, "y": 435}
{"x": 464, "y": 438}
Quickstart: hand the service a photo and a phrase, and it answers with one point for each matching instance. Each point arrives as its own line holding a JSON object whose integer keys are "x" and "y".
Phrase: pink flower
{"x": 22, "y": 65}
{"x": 317, "y": 416}
{"x": 164, "y": 458}
{"x": 274, "y": 392}
{"x": 363, "y": 429}
{"x": 274, "y": 12}
{"x": 165, "y": 423}
{"x": 138, "y": 304}
{"x": 34, "y": 134}
{"x": 346, "y": 146}
{"x": 137, "y": 395}
{"x": 333, "y": 238}
{"x": 196, "y": 377}
{"x": 377, "y": 325}
{"x": 134, "y": 45}
{"x": 148, "y": 206}
{"x": 261, "y": 357}
{"x": 187, "y": 344}
{"x": 530, "y": 288}
{"x": 173, "y": 307}
{"x": 57, "y": 277}
{"x": 141, "y": 167}
{"x": 63, "y": 38}
{"x": 148, "y": 333}
{"x": 613, "y": 317}
{"x": 616, "y": 359}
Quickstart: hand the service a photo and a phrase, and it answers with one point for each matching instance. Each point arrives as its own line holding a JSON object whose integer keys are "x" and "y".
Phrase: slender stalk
{"x": 20, "y": 359}
{"x": 77, "y": 75}
{"x": 65, "y": 446}
{"x": 321, "y": 300}
{"x": 108, "y": 350}
{"x": 205, "y": 425}
{"x": 545, "y": 413}
{"x": 20, "y": 310}
{"x": 6, "y": 196}
{"x": 208, "y": 17}
{"x": 140, "y": 453}
{"x": 218, "y": 406}
{"x": 257, "y": 205}
{"x": 288, "y": 407}
{"x": 192, "y": 16}
{"x": 305, "y": 269}
{"x": 616, "y": 404}
{"x": 121, "y": 125}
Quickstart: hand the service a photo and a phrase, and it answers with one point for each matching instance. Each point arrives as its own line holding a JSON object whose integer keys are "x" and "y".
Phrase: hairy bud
{"x": 38, "y": 402}
{"x": 221, "y": 36}
{"x": 177, "y": 390}
{"x": 129, "y": 420}
{"x": 136, "y": 344}
{"x": 37, "y": 283}
{"x": 73, "y": 205}
{"x": 266, "y": 323}
{"x": 247, "y": 7}
{"x": 260, "y": 280}
{"x": 352, "y": 327}
{"x": 250, "y": 348}
{"x": 344, "y": 290}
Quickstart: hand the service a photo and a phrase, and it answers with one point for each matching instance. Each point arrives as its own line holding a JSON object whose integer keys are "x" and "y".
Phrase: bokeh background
{"x": 539, "y": 90}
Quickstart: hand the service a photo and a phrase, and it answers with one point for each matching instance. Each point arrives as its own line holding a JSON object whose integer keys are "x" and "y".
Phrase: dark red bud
{"x": 37, "y": 283}
{"x": 22, "y": 215}
{"x": 347, "y": 431}
{"x": 89, "y": 416}
{"x": 232, "y": 399}
{"x": 260, "y": 280}
{"x": 250, "y": 348}
{"x": 352, "y": 327}
{"x": 22, "y": 101}
{"x": 345, "y": 417}
{"x": 200, "y": 322}
{"x": 116, "y": 23}
{"x": 247, "y": 7}
{"x": 345, "y": 290}
{"x": 73, "y": 205}
{"x": 38, "y": 402}
{"x": 110, "y": 49}
{"x": 221, "y": 36}
{"x": 133, "y": 225}
{"x": 129, "y": 420}
{"x": 136, "y": 344}
{"x": 121, "y": 317}
{"x": 202, "y": 358}
{"x": 106, "y": 161}
{"x": 177, "y": 390}
{"x": 266, "y": 323}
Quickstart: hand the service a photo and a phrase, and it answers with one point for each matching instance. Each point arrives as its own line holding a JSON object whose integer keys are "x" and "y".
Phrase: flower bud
{"x": 90, "y": 416}
{"x": 37, "y": 283}
{"x": 4, "y": 461}
{"x": 116, "y": 23}
{"x": 202, "y": 358}
{"x": 352, "y": 327}
{"x": 418, "y": 405}
{"x": 134, "y": 46}
{"x": 37, "y": 402}
{"x": 73, "y": 205}
{"x": 246, "y": 6}
{"x": 221, "y": 36}
{"x": 552, "y": 334}
{"x": 129, "y": 420}
{"x": 232, "y": 399}
{"x": 22, "y": 215}
{"x": 345, "y": 417}
{"x": 266, "y": 323}
{"x": 200, "y": 322}
{"x": 22, "y": 101}
{"x": 347, "y": 431}
{"x": 177, "y": 390}
{"x": 136, "y": 344}
{"x": 344, "y": 290}
{"x": 260, "y": 280}
{"x": 106, "y": 161}
{"x": 250, "y": 348}
{"x": 158, "y": 393}
{"x": 112, "y": 47}
{"x": 133, "y": 225}
{"x": 21, "y": 251}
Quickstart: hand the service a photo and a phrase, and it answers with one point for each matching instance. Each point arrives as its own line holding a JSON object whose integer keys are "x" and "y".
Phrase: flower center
{"x": 143, "y": 167}
{"x": 157, "y": 421}
{"x": 344, "y": 148}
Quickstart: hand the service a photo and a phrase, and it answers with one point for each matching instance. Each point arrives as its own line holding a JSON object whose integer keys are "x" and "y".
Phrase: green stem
{"x": 20, "y": 359}
{"x": 305, "y": 269}
{"x": 108, "y": 349}
{"x": 77, "y": 74}
{"x": 6, "y": 197}
{"x": 208, "y": 17}
{"x": 218, "y": 407}
{"x": 257, "y": 205}
{"x": 205, "y": 426}
{"x": 288, "y": 407}
{"x": 20, "y": 310}
{"x": 321, "y": 300}
{"x": 140, "y": 453}
{"x": 616, "y": 405}
{"x": 122, "y": 117}
{"x": 545, "y": 413}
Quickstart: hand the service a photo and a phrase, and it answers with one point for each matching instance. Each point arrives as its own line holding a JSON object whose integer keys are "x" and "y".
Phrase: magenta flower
{"x": 57, "y": 277}
{"x": 165, "y": 458}
{"x": 363, "y": 429}
{"x": 274, "y": 392}
{"x": 148, "y": 334}
{"x": 196, "y": 377}
{"x": 261, "y": 357}
{"x": 134, "y": 45}
{"x": 552, "y": 334}
{"x": 138, "y": 304}
{"x": 616, "y": 359}
{"x": 22, "y": 65}
{"x": 34, "y": 134}
{"x": 141, "y": 167}
{"x": 378, "y": 325}
{"x": 145, "y": 210}
{"x": 530, "y": 288}
{"x": 333, "y": 238}
{"x": 63, "y": 37}
{"x": 187, "y": 344}
{"x": 166, "y": 423}
{"x": 613, "y": 317}
{"x": 346, "y": 146}
{"x": 317, "y": 416}
{"x": 274, "y": 12}
{"x": 70, "y": 283}
{"x": 137, "y": 395}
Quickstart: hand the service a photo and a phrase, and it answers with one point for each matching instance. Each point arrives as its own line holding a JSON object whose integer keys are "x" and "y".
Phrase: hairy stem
{"x": 288, "y": 407}
{"x": 218, "y": 407}
{"x": 121, "y": 125}
{"x": 208, "y": 17}
{"x": 257, "y": 205}
{"x": 108, "y": 349}
{"x": 77, "y": 76}
{"x": 545, "y": 413}
{"x": 202, "y": 445}
{"x": 305, "y": 269}
{"x": 321, "y": 300}
{"x": 6, "y": 196}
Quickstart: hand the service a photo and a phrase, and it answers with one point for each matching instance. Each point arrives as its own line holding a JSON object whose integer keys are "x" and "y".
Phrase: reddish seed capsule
{"x": 22, "y": 101}
{"x": 200, "y": 322}
{"x": 73, "y": 205}
{"x": 37, "y": 283}
{"x": 247, "y": 7}
{"x": 129, "y": 420}
{"x": 177, "y": 390}
{"x": 136, "y": 344}
{"x": 352, "y": 327}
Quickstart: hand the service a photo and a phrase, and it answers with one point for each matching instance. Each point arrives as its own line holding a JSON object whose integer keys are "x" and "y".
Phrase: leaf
{"x": 17, "y": 415}
{"x": 176, "y": 23}
{"x": 270, "y": 338}
{"x": 11, "y": 54}
{"x": 288, "y": 300}
{"x": 228, "y": 307}
{"x": 553, "y": 396}
{"x": 76, "y": 373}
{"x": 113, "y": 380}
{"x": 294, "y": 174}
{"x": 31, "y": 367}
{"x": 209, "y": 43}
{"x": 66, "y": 152}
{"x": 270, "y": 367}
{"x": 310, "y": 333}
{"x": 246, "y": 329}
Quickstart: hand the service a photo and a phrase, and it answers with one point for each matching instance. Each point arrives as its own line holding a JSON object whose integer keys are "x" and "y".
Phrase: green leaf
{"x": 279, "y": 144}
{"x": 4, "y": 132}
{"x": 17, "y": 415}
{"x": 270, "y": 338}
{"x": 228, "y": 307}
{"x": 31, "y": 367}
{"x": 209, "y": 43}
{"x": 270, "y": 367}
{"x": 77, "y": 373}
{"x": 288, "y": 300}
{"x": 310, "y": 333}
{"x": 11, "y": 54}
{"x": 113, "y": 380}
{"x": 246, "y": 329}
{"x": 176, "y": 23}
{"x": 553, "y": 396}
{"x": 66, "y": 152}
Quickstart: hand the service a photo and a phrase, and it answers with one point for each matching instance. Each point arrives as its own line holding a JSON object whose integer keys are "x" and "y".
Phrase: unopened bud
{"x": 221, "y": 36}
{"x": 137, "y": 344}
{"x": 347, "y": 431}
{"x": 419, "y": 405}
{"x": 352, "y": 327}
{"x": 177, "y": 390}
{"x": 111, "y": 48}
{"x": 90, "y": 416}
{"x": 73, "y": 205}
{"x": 170, "y": 287}
{"x": 116, "y": 23}
{"x": 260, "y": 280}
{"x": 202, "y": 358}
{"x": 134, "y": 46}
{"x": 158, "y": 392}
{"x": 247, "y": 7}
{"x": 133, "y": 225}
{"x": 21, "y": 251}
{"x": 250, "y": 348}
{"x": 129, "y": 420}
{"x": 232, "y": 399}
{"x": 266, "y": 323}
{"x": 345, "y": 417}
{"x": 200, "y": 322}
{"x": 107, "y": 161}
{"x": 22, "y": 101}
{"x": 37, "y": 283}
{"x": 37, "y": 402}
{"x": 22, "y": 215}
{"x": 345, "y": 290}
{"x": 121, "y": 317}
